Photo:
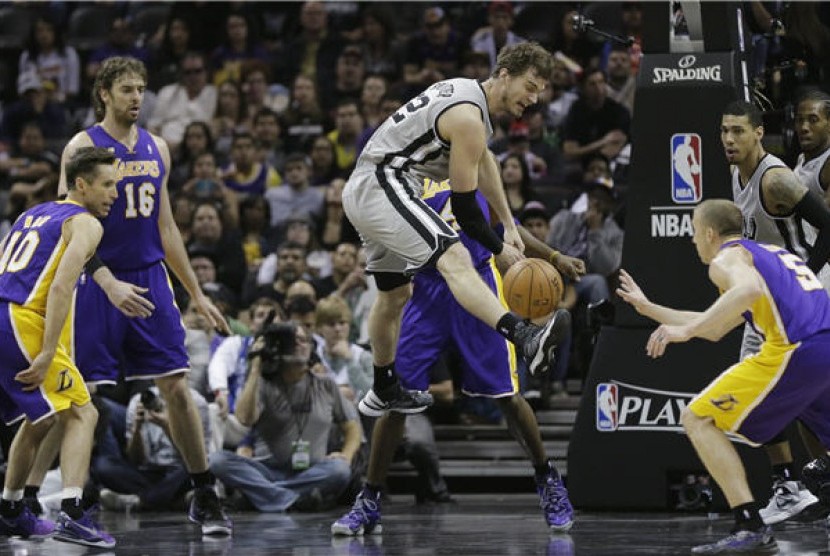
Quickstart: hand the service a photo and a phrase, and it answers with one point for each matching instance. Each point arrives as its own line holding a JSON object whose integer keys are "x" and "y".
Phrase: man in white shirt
{"x": 189, "y": 100}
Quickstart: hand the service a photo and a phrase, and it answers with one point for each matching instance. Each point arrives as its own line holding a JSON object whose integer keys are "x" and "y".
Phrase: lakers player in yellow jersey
{"x": 774, "y": 291}
{"x": 41, "y": 261}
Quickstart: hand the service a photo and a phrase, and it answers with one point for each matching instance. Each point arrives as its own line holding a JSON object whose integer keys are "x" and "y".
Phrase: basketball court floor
{"x": 477, "y": 524}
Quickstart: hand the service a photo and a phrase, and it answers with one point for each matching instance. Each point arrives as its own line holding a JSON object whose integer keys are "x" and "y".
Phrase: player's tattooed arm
{"x": 781, "y": 191}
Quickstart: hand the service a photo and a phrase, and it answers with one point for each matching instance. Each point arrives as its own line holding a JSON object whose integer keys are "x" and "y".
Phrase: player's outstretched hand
{"x": 663, "y": 336}
{"x": 33, "y": 377}
{"x": 630, "y": 292}
{"x": 214, "y": 316}
{"x": 571, "y": 267}
{"x": 129, "y": 299}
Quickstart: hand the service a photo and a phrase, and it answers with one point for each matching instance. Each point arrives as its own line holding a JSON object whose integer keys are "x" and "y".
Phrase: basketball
{"x": 533, "y": 288}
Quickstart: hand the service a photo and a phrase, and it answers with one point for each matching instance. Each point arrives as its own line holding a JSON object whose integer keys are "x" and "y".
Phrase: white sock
{"x": 72, "y": 492}
{"x": 12, "y": 495}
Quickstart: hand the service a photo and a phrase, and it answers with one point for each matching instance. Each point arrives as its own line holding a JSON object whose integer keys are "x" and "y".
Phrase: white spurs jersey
{"x": 809, "y": 173}
{"x": 408, "y": 141}
{"x": 760, "y": 225}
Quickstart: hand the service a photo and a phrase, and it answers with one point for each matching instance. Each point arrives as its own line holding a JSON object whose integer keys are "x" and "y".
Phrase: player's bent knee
{"x": 455, "y": 259}
{"x": 692, "y": 422}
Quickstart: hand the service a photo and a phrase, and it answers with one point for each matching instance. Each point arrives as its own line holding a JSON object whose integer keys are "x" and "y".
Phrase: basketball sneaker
{"x": 206, "y": 510}
{"x": 33, "y": 504}
{"x": 84, "y": 530}
{"x": 538, "y": 342}
{"x": 755, "y": 542}
{"x": 363, "y": 518}
{"x": 26, "y": 525}
{"x": 395, "y": 398}
{"x": 553, "y": 499}
{"x": 789, "y": 498}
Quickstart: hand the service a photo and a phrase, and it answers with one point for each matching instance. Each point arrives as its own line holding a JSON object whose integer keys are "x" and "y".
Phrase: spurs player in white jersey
{"x": 442, "y": 133}
{"x": 812, "y": 126}
{"x": 775, "y": 206}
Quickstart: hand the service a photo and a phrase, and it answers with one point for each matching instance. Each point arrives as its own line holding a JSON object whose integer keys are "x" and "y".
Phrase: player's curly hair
{"x": 110, "y": 70}
{"x": 518, "y": 58}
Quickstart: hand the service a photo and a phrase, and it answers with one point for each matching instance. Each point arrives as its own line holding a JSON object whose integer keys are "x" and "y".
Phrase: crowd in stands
{"x": 266, "y": 107}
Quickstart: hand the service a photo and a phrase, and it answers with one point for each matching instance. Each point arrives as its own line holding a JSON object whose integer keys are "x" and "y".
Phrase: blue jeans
{"x": 271, "y": 489}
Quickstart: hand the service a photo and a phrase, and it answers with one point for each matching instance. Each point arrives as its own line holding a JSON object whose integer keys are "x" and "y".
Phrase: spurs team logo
{"x": 607, "y": 407}
{"x": 686, "y": 168}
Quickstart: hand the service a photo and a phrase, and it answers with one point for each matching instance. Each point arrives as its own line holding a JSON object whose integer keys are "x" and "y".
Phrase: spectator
{"x": 475, "y": 65}
{"x": 298, "y": 229}
{"x": 301, "y": 310}
{"x": 34, "y": 105}
{"x": 518, "y": 143}
{"x": 297, "y": 196}
{"x": 291, "y": 266}
{"x": 258, "y": 96}
{"x": 183, "y": 207}
{"x": 382, "y": 53}
{"x": 323, "y": 161}
{"x": 197, "y": 139}
{"x": 536, "y": 219}
{"x": 239, "y": 46}
{"x": 300, "y": 288}
{"x": 206, "y": 185}
{"x": 334, "y": 217}
{"x": 245, "y": 174}
{"x": 30, "y": 174}
{"x": 349, "y": 365}
{"x": 313, "y": 53}
{"x": 228, "y": 118}
{"x": 361, "y": 308}
{"x": 389, "y": 104}
{"x": 209, "y": 235}
{"x": 579, "y": 48}
{"x": 347, "y": 83}
{"x": 166, "y": 60}
{"x": 434, "y": 53}
{"x": 497, "y": 35}
{"x": 595, "y": 123}
{"x": 561, "y": 97}
{"x": 371, "y": 97}
{"x": 120, "y": 42}
{"x": 199, "y": 335}
{"x": 293, "y": 411}
{"x": 347, "y": 279}
{"x": 516, "y": 179}
{"x": 621, "y": 83}
{"x": 184, "y": 102}
{"x": 592, "y": 236}
{"x": 258, "y": 241}
{"x": 304, "y": 117}
{"x": 348, "y": 125}
{"x": 228, "y": 370}
{"x": 153, "y": 469}
{"x": 55, "y": 63}
{"x": 267, "y": 131}
{"x": 632, "y": 22}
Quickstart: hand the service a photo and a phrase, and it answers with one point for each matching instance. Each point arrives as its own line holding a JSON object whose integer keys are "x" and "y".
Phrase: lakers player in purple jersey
{"x": 433, "y": 322}
{"x": 40, "y": 262}
{"x": 777, "y": 293}
{"x": 139, "y": 237}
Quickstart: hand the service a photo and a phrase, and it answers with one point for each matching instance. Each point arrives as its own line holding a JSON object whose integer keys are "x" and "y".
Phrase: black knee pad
{"x": 388, "y": 281}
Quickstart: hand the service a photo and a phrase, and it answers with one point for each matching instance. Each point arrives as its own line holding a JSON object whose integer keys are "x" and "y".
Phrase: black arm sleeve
{"x": 93, "y": 264}
{"x": 472, "y": 221}
{"x": 813, "y": 209}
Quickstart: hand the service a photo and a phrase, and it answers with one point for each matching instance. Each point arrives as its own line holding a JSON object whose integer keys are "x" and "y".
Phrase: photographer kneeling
{"x": 292, "y": 410}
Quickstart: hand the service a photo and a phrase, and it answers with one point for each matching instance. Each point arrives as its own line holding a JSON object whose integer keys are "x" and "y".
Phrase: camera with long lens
{"x": 279, "y": 344}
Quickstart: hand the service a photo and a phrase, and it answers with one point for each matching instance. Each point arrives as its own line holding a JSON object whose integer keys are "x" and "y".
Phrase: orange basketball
{"x": 533, "y": 288}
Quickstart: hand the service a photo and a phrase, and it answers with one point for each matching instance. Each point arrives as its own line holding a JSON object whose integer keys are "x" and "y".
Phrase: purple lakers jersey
{"x": 32, "y": 252}
{"x": 795, "y": 305}
{"x": 437, "y": 196}
{"x": 131, "y": 230}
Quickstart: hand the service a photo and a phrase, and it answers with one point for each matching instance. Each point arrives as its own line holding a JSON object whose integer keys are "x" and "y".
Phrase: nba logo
{"x": 607, "y": 407}
{"x": 686, "y": 168}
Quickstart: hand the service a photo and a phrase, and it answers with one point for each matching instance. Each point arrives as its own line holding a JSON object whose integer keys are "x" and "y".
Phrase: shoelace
{"x": 554, "y": 495}
{"x": 359, "y": 507}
